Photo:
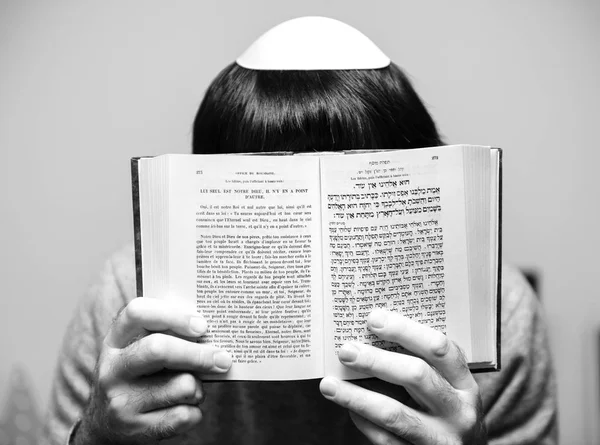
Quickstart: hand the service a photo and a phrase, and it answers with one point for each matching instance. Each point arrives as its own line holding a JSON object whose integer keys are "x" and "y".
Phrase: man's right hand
{"x": 147, "y": 382}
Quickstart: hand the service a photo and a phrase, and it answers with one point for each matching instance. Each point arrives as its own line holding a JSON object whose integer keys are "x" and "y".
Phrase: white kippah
{"x": 313, "y": 43}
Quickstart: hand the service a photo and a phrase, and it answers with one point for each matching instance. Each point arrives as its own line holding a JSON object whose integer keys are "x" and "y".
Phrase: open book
{"x": 286, "y": 255}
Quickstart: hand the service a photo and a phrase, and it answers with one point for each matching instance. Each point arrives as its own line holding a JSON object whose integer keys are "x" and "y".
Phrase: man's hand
{"x": 438, "y": 379}
{"x": 147, "y": 384}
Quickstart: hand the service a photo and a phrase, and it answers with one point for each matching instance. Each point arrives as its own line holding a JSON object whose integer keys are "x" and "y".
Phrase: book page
{"x": 245, "y": 252}
{"x": 394, "y": 238}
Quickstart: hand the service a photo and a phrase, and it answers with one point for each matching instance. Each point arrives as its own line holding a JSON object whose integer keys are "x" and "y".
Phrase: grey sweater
{"x": 519, "y": 401}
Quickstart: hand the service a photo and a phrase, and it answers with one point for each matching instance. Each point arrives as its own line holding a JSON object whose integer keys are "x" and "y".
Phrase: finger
{"x": 143, "y": 315}
{"x": 167, "y": 389}
{"x": 423, "y": 382}
{"x": 169, "y": 422}
{"x": 431, "y": 345}
{"x": 381, "y": 410}
{"x": 374, "y": 433}
{"x": 156, "y": 352}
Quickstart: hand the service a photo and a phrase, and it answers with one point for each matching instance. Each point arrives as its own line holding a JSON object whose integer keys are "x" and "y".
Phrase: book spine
{"x": 499, "y": 290}
{"x": 137, "y": 232}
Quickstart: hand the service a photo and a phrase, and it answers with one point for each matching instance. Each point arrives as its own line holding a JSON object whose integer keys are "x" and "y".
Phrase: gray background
{"x": 85, "y": 85}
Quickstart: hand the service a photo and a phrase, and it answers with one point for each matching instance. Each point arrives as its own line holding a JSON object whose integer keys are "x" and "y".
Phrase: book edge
{"x": 479, "y": 367}
{"x": 137, "y": 230}
{"x": 499, "y": 284}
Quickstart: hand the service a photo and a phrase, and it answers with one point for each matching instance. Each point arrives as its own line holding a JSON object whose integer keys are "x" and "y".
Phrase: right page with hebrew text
{"x": 394, "y": 238}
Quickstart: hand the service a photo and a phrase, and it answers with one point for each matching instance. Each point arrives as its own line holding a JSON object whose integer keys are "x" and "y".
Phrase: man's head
{"x": 289, "y": 108}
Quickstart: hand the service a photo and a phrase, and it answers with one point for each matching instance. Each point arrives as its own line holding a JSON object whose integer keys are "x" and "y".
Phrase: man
{"x": 309, "y": 84}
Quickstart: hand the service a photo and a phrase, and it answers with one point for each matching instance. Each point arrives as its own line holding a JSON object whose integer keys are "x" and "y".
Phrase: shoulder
{"x": 520, "y": 306}
{"x": 112, "y": 289}
{"x": 121, "y": 266}
{"x": 520, "y": 399}
{"x": 516, "y": 290}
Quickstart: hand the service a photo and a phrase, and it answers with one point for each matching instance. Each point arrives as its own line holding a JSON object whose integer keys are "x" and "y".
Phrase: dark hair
{"x": 262, "y": 111}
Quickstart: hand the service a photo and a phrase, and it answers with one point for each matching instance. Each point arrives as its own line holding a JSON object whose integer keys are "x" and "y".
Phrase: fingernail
{"x": 198, "y": 325}
{"x": 329, "y": 386}
{"x": 348, "y": 353}
{"x": 222, "y": 360}
{"x": 377, "y": 319}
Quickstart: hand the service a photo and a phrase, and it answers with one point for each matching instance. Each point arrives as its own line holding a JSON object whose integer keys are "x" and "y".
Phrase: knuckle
{"x": 368, "y": 360}
{"x": 182, "y": 416}
{"x": 354, "y": 401}
{"x": 185, "y": 416}
{"x": 204, "y": 356}
{"x": 187, "y": 384}
{"x": 418, "y": 371}
{"x": 125, "y": 363}
{"x": 135, "y": 310}
{"x": 402, "y": 424}
{"x": 468, "y": 419}
{"x": 446, "y": 394}
{"x": 116, "y": 406}
{"x": 105, "y": 374}
{"x": 440, "y": 345}
{"x": 394, "y": 420}
{"x": 156, "y": 347}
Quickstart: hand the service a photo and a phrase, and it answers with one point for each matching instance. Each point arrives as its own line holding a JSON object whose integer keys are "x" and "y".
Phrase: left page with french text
{"x": 244, "y": 250}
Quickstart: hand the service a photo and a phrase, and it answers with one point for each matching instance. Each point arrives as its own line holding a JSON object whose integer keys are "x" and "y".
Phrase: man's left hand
{"x": 437, "y": 378}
